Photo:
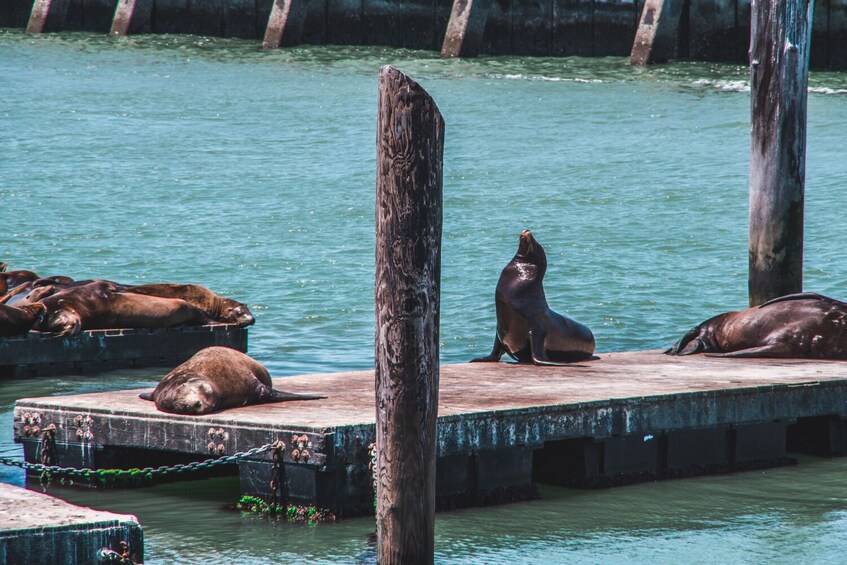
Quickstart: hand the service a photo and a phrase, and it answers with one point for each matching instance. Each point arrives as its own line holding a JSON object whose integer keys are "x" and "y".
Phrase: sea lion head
{"x": 234, "y": 312}
{"x": 192, "y": 395}
{"x": 63, "y": 321}
{"x": 530, "y": 251}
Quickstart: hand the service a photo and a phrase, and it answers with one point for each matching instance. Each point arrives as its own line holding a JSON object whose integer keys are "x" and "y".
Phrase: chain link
{"x": 148, "y": 472}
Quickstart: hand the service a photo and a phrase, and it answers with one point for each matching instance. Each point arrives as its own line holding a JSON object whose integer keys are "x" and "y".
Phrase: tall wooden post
{"x": 410, "y": 145}
{"x": 779, "y": 77}
{"x": 131, "y": 16}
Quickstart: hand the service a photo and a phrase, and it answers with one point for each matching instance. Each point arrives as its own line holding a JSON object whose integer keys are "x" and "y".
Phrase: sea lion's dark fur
{"x": 102, "y": 305}
{"x": 804, "y": 325}
{"x": 527, "y": 329}
{"x": 18, "y": 321}
{"x": 214, "y": 379}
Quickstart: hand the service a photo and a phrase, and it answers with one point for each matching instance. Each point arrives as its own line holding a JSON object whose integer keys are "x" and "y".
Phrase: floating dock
{"x": 37, "y": 528}
{"x": 37, "y": 354}
{"x": 622, "y": 418}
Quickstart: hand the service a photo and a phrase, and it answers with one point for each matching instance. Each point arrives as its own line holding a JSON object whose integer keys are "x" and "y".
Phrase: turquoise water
{"x": 206, "y": 160}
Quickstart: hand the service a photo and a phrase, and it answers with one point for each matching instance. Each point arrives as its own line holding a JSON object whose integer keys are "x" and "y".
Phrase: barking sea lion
{"x": 804, "y": 325}
{"x": 214, "y": 379}
{"x": 527, "y": 330}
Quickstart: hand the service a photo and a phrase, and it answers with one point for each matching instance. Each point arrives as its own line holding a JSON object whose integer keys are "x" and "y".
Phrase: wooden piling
{"x": 47, "y": 15}
{"x": 410, "y": 145}
{"x": 465, "y": 28}
{"x": 779, "y": 76}
{"x": 131, "y": 16}
{"x": 657, "y": 35}
{"x": 285, "y": 24}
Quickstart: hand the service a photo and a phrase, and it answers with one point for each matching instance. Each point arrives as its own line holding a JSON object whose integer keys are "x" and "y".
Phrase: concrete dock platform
{"x": 623, "y": 417}
{"x": 37, "y": 354}
{"x": 37, "y": 528}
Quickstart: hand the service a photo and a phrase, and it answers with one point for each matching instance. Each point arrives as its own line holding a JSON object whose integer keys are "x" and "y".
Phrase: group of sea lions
{"x": 804, "y": 325}
{"x": 61, "y": 306}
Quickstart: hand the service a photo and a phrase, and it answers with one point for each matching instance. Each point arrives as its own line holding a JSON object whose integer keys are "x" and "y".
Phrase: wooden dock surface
{"x": 702, "y": 411}
{"x": 472, "y": 390}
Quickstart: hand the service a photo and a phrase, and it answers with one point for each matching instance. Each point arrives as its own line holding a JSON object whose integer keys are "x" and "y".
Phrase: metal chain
{"x": 148, "y": 472}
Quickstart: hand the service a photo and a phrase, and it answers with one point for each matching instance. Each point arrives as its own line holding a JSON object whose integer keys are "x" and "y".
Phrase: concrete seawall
{"x": 712, "y": 30}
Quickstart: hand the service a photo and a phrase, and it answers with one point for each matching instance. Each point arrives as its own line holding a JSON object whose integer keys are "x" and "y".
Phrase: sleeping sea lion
{"x": 102, "y": 305}
{"x": 18, "y": 321}
{"x": 32, "y": 291}
{"x": 219, "y": 308}
{"x": 11, "y": 279}
{"x": 804, "y": 325}
{"x": 214, "y": 379}
{"x": 527, "y": 330}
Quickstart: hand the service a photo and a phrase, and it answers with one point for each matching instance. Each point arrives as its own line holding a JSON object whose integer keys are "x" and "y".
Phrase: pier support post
{"x": 285, "y": 24}
{"x": 131, "y": 16}
{"x": 779, "y": 77}
{"x": 47, "y": 15}
{"x": 465, "y": 28}
{"x": 410, "y": 146}
{"x": 657, "y": 36}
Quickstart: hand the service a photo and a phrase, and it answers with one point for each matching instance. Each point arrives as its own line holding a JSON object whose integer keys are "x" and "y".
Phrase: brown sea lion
{"x": 219, "y": 308}
{"x": 805, "y": 325}
{"x": 527, "y": 330}
{"x": 102, "y": 305}
{"x": 32, "y": 291}
{"x": 214, "y": 379}
{"x": 11, "y": 279}
{"x": 18, "y": 321}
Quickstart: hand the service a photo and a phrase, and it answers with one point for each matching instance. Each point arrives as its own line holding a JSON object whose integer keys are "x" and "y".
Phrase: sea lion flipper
{"x": 147, "y": 396}
{"x": 268, "y": 394}
{"x": 496, "y": 352}
{"x": 537, "y": 350}
{"x": 776, "y": 350}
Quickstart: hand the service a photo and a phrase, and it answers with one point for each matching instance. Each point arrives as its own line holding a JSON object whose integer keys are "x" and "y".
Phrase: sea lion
{"x": 32, "y": 291}
{"x": 804, "y": 325}
{"x": 102, "y": 305}
{"x": 11, "y": 279}
{"x": 18, "y": 321}
{"x": 216, "y": 378}
{"x": 219, "y": 308}
{"x": 527, "y": 330}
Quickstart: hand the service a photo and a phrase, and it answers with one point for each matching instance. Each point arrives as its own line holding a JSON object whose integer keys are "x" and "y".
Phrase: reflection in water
{"x": 207, "y": 160}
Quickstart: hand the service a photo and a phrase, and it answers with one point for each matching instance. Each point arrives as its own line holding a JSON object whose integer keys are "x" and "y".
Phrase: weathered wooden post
{"x": 657, "y": 37}
{"x": 779, "y": 76}
{"x": 47, "y": 15}
{"x": 285, "y": 23}
{"x": 463, "y": 37}
{"x": 410, "y": 145}
{"x": 131, "y": 16}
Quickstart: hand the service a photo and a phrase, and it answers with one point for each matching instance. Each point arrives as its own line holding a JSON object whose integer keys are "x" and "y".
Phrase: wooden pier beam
{"x": 47, "y": 15}
{"x": 779, "y": 76}
{"x": 285, "y": 24}
{"x": 410, "y": 146}
{"x": 131, "y": 16}
{"x": 657, "y": 36}
{"x": 465, "y": 28}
